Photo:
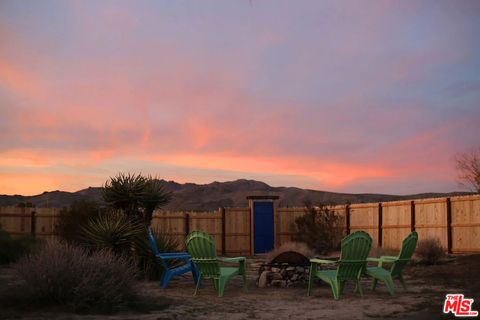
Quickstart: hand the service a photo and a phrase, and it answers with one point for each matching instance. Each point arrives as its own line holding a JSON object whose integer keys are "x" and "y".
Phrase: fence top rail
{"x": 364, "y": 205}
{"x": 397, "y": 203}
{"x": 465, "y": 198}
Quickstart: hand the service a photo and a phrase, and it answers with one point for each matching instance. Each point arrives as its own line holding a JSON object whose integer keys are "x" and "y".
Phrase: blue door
{"x": 262, "y": 226}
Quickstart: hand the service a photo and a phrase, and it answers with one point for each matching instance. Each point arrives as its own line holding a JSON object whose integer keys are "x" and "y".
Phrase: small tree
{"x": 319, "y": 228}
{"x": 468, "y": 167}
{"x": 135, "y": 195}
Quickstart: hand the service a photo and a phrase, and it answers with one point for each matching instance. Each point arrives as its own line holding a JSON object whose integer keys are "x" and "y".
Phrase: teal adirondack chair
{"x": 398, "y": 263}
{"x": 201, "y": 247}
{"x": 351, "y": 265}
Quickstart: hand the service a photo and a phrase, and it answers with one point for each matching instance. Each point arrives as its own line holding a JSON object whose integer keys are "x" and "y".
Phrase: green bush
{"x": 13, "y": 248}
{"x": 319, "y": 228}
{"x": 430, "y": 251}
{"x": 71, "y": 219}
{"x": 65, "y": 275}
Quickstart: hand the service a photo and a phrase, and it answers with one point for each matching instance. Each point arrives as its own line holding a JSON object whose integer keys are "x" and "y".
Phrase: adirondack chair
{"x": 201, "y": 247}
{"x": 398, "y": 263}
{"x": 171, "y": 270}
{"x": 350, "y": 266}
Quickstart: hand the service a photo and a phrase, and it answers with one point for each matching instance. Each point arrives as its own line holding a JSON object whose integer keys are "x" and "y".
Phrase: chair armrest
{"x": 386, "y": 258}
{"x": 178, "y": 255}
{"x": 374, "y": 259}
{"x": 235, "y": 259}
{"x": 321, "y": 261}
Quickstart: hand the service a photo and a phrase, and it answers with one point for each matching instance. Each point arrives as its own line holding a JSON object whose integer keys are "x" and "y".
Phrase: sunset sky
{"x": 348, "y": 96}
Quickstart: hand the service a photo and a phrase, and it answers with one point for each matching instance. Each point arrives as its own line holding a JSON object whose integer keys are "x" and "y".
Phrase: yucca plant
{"x": 114, "y": 231}
{"x": 136, "y": 195}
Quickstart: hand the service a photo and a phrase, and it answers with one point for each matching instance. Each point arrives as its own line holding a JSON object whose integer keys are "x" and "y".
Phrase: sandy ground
{"x": 423, "y": 299}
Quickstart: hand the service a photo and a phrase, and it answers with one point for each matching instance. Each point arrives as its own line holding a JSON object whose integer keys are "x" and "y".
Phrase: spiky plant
{"x": 114, "y": 231}
{"x": 125, "y": 192}
{"x": 155, "y": 196}
{"x": 136, "y": 195}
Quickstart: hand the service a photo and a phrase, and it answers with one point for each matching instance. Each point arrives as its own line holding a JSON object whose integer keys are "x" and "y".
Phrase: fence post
{"x": 449, "y": 225}
{"x": 412, "y": 216}
{"x": 380, "y": 224}
{"x": 347, "y": 217}
{"x": 224, "y": 249}
{"x": 187, "y": 224}
{"x": 33, "y": 223}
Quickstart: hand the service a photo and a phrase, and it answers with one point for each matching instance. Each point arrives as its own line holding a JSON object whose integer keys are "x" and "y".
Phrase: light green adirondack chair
{"x": 398, "y": 263}
{"x": 351, "y": 265}
{"x": 201, "y": 247}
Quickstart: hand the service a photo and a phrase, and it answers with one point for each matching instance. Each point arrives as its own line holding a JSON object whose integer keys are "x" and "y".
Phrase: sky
{"x": 346, "y": 96}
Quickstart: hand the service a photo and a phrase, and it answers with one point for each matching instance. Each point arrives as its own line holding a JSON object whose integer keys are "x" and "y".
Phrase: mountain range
{"x": 206, "y": 197}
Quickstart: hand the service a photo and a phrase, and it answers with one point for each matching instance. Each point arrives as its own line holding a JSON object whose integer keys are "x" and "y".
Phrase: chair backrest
{"x": 152, "y": 242}
{"x": 201, "y": 247}
{"x": 408, "y": 247}
{"x": 353, "y": 258}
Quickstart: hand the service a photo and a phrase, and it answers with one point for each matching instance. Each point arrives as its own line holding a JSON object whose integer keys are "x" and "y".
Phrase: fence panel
{"x": 365, "y": 217}
{"x": 431, "y": 219}
{"x": 396, "y": 223}
{"x": 286, "y": 222}
{"x": 172, "y": 223}
{"x": 237, "y": 231}
{"x": 210, "y": 222}
{"x": 465, "y": 224}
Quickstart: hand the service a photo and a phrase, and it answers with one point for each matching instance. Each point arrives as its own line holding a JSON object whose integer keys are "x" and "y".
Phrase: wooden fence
{"x": 454, "y": 221}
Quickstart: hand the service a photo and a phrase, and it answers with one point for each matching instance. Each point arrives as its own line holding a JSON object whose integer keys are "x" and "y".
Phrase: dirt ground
{"x": 423, "y": 299}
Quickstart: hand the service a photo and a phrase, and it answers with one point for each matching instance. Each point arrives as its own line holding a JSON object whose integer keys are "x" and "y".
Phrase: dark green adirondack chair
{"x": 398, "y": 263}
{"x": 201, "y": 247}
{"x": 350, "y": 266}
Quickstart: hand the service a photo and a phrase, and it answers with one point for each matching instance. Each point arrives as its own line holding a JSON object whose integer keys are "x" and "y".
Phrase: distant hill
{"x": 200, "y": 197}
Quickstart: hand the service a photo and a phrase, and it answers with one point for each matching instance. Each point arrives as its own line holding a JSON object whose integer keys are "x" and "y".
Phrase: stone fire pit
{"x": 288, "y": 269}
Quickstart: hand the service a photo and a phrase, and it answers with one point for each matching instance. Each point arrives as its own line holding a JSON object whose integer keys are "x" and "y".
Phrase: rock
{"x": 283, "y": 272}
{"x": 276, "y": 276}
{"x": 290, "y": 269}
{"x": 294, "y": 277}
{"x": 275, "y": 269}
{"x": 279, "y": 283}
{"x": 300, "y": 269}
{"x": 262, "y": 281}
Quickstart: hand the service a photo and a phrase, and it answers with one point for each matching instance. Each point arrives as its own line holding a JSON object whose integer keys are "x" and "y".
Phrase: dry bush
{"x": 65, "y": 275}
{"x": 320, "y": 228}
{"x": 430, "y": 251}
{"x": 299, "y": 247}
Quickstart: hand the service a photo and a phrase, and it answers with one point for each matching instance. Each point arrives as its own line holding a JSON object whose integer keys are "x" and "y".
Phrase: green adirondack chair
{"x": 350, "y": 266}
{"x": 398, "y": 263}
{"x": 201, "y": 247}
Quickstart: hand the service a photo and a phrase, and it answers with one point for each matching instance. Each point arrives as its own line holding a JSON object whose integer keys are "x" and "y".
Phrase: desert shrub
{"x": 65, "y": 275}
{"x": 71, "y": 219}
{"x": 430, "y": 251}
{"x": 319, "y": 228}
{"x": 299, "y": 247}
{"x": 13, "y": 248}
